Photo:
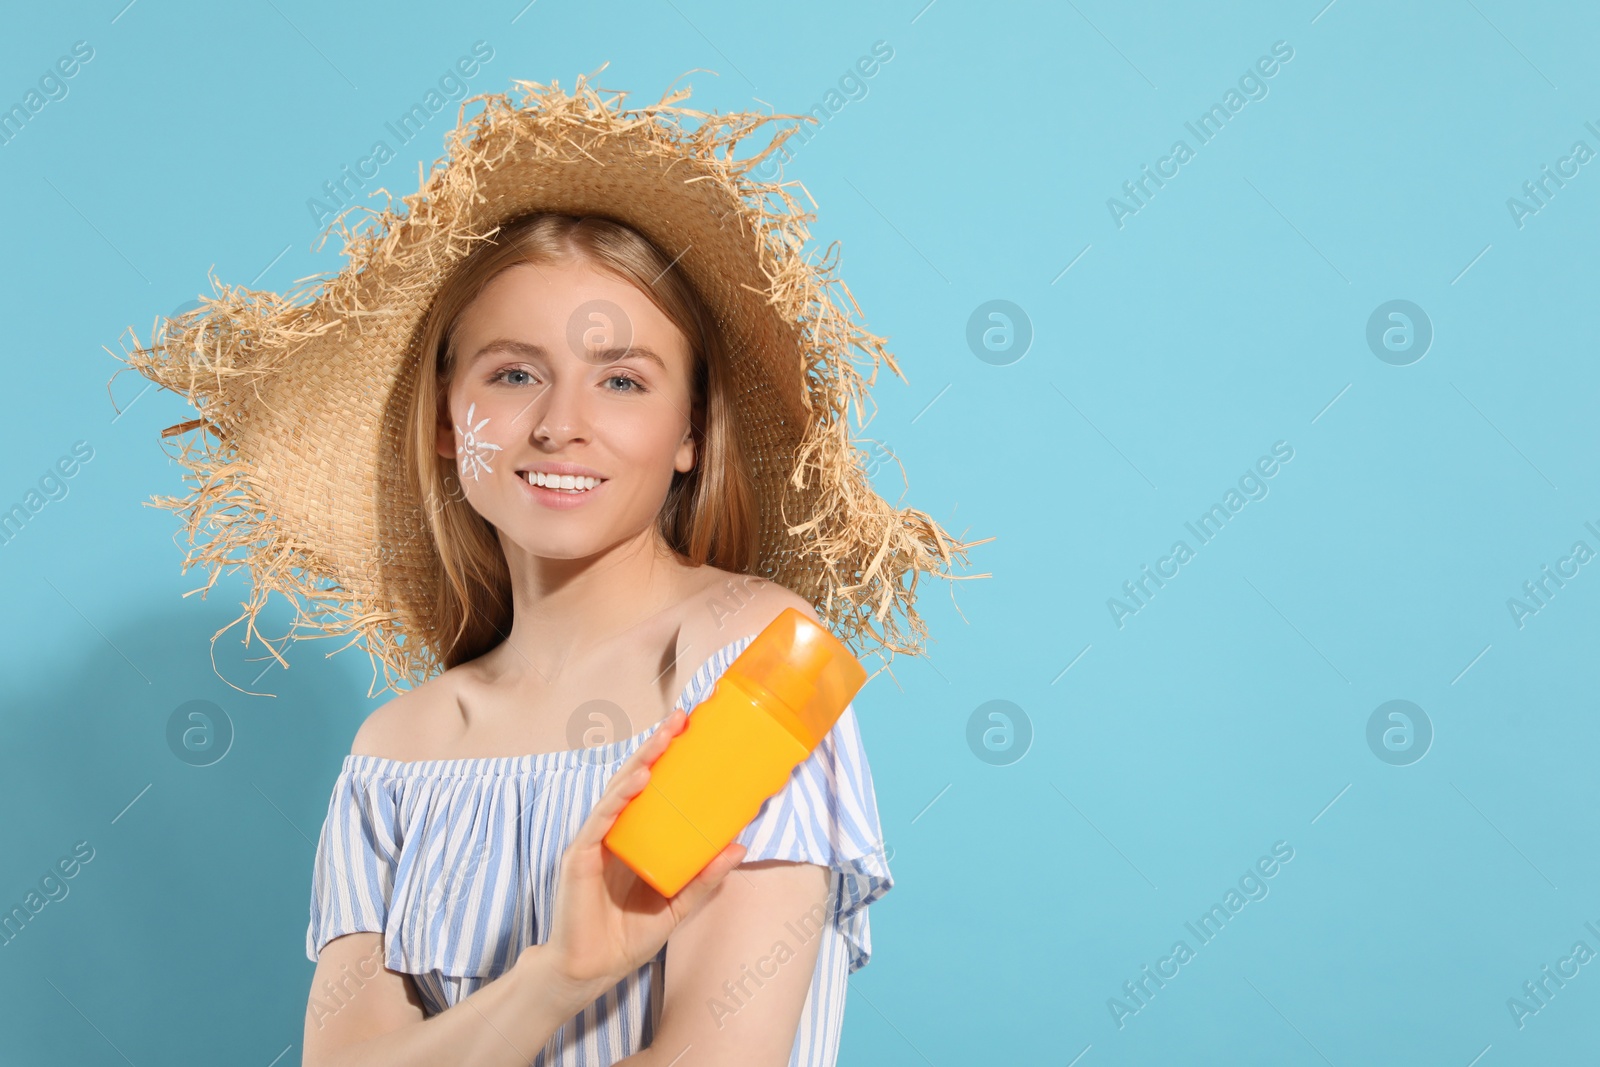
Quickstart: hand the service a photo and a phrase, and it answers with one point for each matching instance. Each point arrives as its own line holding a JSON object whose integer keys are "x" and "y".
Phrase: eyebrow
{"x": 533, "y": 351}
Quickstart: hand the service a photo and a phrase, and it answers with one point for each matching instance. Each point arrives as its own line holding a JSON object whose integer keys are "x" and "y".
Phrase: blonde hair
{"x": 710, "y": 514}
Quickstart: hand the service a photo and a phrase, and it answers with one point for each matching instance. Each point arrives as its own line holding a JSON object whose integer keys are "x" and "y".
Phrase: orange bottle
{"x": 772, "y": 706}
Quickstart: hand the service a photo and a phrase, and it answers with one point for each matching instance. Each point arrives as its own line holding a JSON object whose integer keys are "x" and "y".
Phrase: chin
{"x": 572, "y": 543}
{"x": 579, "y": 546}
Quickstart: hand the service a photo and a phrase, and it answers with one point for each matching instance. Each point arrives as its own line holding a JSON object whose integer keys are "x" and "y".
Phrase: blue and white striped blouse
{"x": 454, "y": 862}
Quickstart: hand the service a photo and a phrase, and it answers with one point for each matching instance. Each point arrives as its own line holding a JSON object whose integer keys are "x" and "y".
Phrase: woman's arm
{"x": 378, "y": 1020}
{"x": 738, "y": 969}
{"x": 606, "y": 923}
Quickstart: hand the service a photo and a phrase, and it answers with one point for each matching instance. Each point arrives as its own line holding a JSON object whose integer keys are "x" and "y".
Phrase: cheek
{"x": 644, "y": 442}
{"x": 479, "y": 429}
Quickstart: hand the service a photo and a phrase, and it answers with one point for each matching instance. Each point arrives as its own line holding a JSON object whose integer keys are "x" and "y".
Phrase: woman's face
{"x": 568, "y": 369}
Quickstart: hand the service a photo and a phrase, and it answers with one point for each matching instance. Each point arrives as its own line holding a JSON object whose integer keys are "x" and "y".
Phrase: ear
{"x": 445, "y": 437}
{"x": 688, "y": 454}
{"x": 685, "y": 459}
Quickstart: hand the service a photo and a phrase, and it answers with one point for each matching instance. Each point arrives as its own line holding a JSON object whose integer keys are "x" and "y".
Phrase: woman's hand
{"x": 608, "y": 921}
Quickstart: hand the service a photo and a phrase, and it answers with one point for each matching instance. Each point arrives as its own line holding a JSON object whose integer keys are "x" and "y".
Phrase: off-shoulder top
{"x": 454, "y": 862}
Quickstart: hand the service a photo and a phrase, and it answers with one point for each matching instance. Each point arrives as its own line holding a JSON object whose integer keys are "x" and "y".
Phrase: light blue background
{"x": 1228, "y": 314}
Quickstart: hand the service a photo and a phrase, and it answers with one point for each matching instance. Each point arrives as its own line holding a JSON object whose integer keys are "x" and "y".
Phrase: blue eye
{"x": 500, "y": 376}
{"x": 504, "y": 375}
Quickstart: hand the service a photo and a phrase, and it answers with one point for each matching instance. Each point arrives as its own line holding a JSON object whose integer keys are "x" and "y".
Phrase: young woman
{"x": 469, "y": 781}
{"x": 533, "y": 445}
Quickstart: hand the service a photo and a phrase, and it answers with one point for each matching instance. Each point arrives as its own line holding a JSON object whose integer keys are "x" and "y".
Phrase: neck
{"x": 565, "y": 608}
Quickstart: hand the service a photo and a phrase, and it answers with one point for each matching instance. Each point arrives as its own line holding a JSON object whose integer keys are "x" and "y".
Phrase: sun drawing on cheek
{"x": 474, "y": 453}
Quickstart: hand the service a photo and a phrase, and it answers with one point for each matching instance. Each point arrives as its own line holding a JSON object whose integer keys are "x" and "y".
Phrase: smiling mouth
{"x": 572, "y": 484}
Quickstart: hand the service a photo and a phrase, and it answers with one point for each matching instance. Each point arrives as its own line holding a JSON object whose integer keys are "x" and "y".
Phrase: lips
{"x": 561, "y": 483}
{"x": 562, "y": 499}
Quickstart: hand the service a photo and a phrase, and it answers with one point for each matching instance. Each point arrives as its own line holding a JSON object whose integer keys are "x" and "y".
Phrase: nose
{"x": 560, "y": 413}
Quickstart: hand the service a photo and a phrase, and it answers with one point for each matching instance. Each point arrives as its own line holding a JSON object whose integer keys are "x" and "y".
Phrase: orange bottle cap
{"x": 805, "y": 668}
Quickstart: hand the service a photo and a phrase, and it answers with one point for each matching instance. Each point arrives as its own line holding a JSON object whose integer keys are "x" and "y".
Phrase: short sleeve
{"x": 353, "y": 874}
{"x": 827, "y": 814}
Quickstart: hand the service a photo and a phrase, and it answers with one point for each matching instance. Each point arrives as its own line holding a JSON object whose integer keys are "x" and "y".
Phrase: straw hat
{"x": 302, "y": 396}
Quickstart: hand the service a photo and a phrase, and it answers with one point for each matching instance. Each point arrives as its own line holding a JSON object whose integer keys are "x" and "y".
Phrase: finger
{"x": 629, "y": 781}
{"x": 644, "y": 756}
{"x": 689, "y": 897}
{"x": 653, "y": 746}
{"x": 623, "y": 787}
{"x": 657, "y": 743}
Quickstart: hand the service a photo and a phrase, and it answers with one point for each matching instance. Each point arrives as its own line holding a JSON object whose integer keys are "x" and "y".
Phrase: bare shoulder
{"x": 741, "y": 605}
{"x": 396, "y": 726}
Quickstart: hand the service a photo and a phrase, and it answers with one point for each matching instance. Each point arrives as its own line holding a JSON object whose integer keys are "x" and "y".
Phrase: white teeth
{"x": 568, "y": 482}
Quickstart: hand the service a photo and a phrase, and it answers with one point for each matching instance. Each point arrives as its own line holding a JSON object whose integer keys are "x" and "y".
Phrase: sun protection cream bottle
{"x": 774, "y": 704}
